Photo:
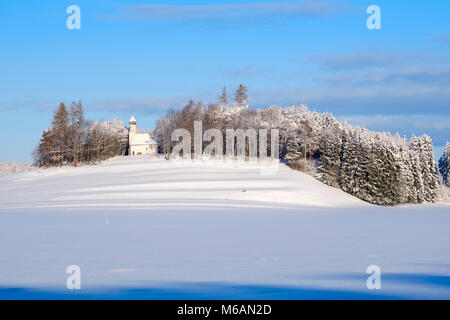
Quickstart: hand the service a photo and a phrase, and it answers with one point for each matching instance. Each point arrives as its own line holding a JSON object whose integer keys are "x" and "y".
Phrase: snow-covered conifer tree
{"x": 330, "y": 156}
{"x": 348, "y": 162}
{"x": 240, "y": 98}
{"x": 423, "y": 146}
{"x": 293, "y": 151}
{"x": 223, "y": 99}
{"x": 444, "y": 165}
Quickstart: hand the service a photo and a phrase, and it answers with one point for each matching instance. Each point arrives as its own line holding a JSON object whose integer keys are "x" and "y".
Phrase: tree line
{"x": 71, "y": 139}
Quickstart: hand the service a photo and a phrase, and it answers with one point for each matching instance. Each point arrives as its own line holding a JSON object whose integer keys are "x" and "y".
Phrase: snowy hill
{"x": 147, "y": 182}
{"x": 141, "y": 227}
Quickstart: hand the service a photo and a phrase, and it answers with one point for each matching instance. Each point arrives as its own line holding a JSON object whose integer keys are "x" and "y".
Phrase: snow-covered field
{"x": 148, "y": 228}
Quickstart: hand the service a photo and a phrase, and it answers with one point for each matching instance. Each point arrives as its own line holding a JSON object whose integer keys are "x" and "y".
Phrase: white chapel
{"x": 140, "y": 143}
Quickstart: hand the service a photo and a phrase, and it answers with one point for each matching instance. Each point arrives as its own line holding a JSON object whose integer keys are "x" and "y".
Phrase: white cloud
{"x": 437, "y": 126}
{"x": 419, "y": 122}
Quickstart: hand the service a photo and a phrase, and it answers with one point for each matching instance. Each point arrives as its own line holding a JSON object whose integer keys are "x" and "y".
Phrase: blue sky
{"x": 144, "y": 57}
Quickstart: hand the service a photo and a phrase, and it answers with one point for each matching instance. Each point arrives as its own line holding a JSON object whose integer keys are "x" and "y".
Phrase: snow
{"x": 7, "y": 168}
{"x": 147, "y": 182}
{"x": 149, "y": 228}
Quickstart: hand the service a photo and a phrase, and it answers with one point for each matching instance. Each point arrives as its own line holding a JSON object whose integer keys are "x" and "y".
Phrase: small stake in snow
{"x": 107, "y": 209}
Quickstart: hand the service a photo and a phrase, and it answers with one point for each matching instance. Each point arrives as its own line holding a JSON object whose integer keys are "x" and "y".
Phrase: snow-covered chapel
{"x": 139, "y": 143}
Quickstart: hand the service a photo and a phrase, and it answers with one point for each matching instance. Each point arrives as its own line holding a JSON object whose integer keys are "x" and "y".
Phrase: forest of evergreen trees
{"x": 71, "y": 139}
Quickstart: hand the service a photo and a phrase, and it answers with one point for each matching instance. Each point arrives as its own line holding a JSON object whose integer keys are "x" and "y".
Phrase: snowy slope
{"x": 149, "y": 228}
{"x": 148, "y": 182}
